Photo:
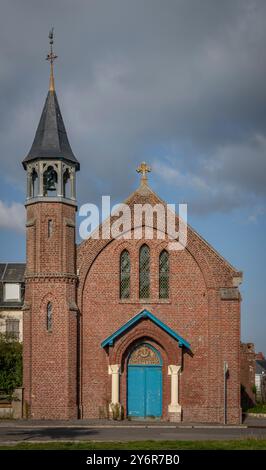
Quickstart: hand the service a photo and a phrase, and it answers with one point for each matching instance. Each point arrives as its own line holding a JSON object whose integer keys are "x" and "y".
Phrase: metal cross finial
{"x": 143, "y": 169}
{"x": 51, "y": 57}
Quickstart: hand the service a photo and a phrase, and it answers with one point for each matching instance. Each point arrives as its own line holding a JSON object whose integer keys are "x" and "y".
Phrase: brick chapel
{"x": 120, "y": 327}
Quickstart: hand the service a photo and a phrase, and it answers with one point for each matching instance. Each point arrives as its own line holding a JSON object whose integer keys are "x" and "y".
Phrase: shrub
{"x": 10, "y": 364}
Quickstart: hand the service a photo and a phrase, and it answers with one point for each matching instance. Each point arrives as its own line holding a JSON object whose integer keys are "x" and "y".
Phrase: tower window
{"x": 49, "y": 317}
{"x": 124, "y": 275}
{"x": 50, "y": 228}
{"x": 49, "y": 181}
{"x": 144, "y": 272}
{"x": 34, "y": 182}
{"x": 66, "y": 183}
{"x": 164, "y": 275}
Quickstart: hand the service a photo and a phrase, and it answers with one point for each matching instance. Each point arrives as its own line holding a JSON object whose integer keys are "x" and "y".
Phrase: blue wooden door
{"x": 144, "y": 390}
{"x": 136, "y": 391}
{"x": 153, "y": 399}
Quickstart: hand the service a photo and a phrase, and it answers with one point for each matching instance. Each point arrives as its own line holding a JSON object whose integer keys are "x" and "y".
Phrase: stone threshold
{"x": 76, "y": 425}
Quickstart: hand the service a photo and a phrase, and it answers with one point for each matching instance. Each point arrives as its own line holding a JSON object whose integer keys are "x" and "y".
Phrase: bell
{"x": 50, "y": 179}
{"x": 51, "y": 186}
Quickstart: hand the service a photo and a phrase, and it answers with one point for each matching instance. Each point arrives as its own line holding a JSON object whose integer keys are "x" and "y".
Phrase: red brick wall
{"x": 50, "y": 357}
{"x": 195, "y": 310}
{"x": 259, "y": 356}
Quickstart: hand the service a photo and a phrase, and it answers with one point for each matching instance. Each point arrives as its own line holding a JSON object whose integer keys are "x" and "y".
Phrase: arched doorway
{"x": 144, "y": 382}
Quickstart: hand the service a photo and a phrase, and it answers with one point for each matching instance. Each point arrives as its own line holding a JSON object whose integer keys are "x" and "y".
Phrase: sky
{"x": 177, "y": 83}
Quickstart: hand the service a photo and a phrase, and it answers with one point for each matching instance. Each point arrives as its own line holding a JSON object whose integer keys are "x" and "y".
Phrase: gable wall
{"x": 194, "y": 310}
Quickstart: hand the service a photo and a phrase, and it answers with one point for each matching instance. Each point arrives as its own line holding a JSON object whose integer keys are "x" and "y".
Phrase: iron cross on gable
{"x": 143, "y": 169}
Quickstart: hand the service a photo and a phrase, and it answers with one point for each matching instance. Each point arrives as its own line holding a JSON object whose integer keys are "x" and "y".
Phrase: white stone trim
{"x": 174, "y": 406}
{"x": 114, "y": 371}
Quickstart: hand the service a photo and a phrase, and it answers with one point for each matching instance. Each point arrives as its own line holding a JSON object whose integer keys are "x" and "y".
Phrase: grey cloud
{"x": 12, "y": 216}
{"x": 233, "y": 177}
{"x": 184, "y": 76}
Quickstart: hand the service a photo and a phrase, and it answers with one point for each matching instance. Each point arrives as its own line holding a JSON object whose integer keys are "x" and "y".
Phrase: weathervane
{"x": 143, "y": 169}
{"x": 51, "y": 57}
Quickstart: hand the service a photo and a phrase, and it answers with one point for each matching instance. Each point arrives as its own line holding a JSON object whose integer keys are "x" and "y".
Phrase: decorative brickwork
{"x": 143, "y": 354}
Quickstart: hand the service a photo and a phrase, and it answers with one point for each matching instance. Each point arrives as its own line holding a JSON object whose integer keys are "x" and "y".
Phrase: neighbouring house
{"x": 11, "y": 325}
{"x": 260, "y": 380}
{"x": 11, "y": 299}
{"x": 247, "y": 375}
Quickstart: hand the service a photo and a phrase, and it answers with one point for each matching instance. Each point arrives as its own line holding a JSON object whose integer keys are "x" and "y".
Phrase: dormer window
{"x": 12, "y": 292}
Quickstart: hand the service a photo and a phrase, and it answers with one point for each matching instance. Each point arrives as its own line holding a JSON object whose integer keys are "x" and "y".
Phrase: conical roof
{"x": 51, "y": 141}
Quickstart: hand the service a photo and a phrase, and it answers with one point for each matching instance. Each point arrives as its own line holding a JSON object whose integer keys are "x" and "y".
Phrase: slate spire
{"x": 51, "y": 141}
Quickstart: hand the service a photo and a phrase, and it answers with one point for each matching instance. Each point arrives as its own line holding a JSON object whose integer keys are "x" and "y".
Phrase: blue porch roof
{"x": 145, "y": 314}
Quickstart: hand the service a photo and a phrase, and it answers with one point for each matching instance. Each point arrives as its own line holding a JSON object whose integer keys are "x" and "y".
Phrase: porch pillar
{"x": 115, "y": 408}
{"x": 174, "y": 408}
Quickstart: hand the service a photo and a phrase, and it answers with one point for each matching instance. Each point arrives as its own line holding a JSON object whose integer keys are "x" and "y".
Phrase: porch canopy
{"x": 145, "y": 314}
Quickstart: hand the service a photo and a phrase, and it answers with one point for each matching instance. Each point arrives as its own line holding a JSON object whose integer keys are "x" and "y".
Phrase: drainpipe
{"x": 225, "y": 391}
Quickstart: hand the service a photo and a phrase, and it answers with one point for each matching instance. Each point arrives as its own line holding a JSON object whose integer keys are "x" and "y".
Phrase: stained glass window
{"x": 49, "y": 317}
{"x": 164, "y": 275}
{"x": 124, "y": 275}
{"x": 144, "y": 272}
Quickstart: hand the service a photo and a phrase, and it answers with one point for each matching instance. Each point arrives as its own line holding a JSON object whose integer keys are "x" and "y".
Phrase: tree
{"x": 10, "y": 363}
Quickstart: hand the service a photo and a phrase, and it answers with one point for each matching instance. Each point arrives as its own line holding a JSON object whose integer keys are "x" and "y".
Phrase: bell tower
{"x": 50, "y": 317}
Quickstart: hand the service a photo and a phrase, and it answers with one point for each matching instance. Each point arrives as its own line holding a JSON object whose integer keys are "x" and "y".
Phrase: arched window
{"x": 124, "y": 275}
{"x": 49, "y": 317}
{"x": 164, "y": 275}
{"x": 49, "y": 181}
{"x": 66, "y": 183}
{"x": 34, "y": 183}
{"x": 144, "y": 272}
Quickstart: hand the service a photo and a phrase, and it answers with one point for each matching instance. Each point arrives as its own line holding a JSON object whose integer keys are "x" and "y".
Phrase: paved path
{"x": 36, "y": 431}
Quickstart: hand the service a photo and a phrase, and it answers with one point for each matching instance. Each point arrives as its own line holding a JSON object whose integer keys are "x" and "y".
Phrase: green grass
{"x": 242, "y": 444}
{"x": 259, "y": 408}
